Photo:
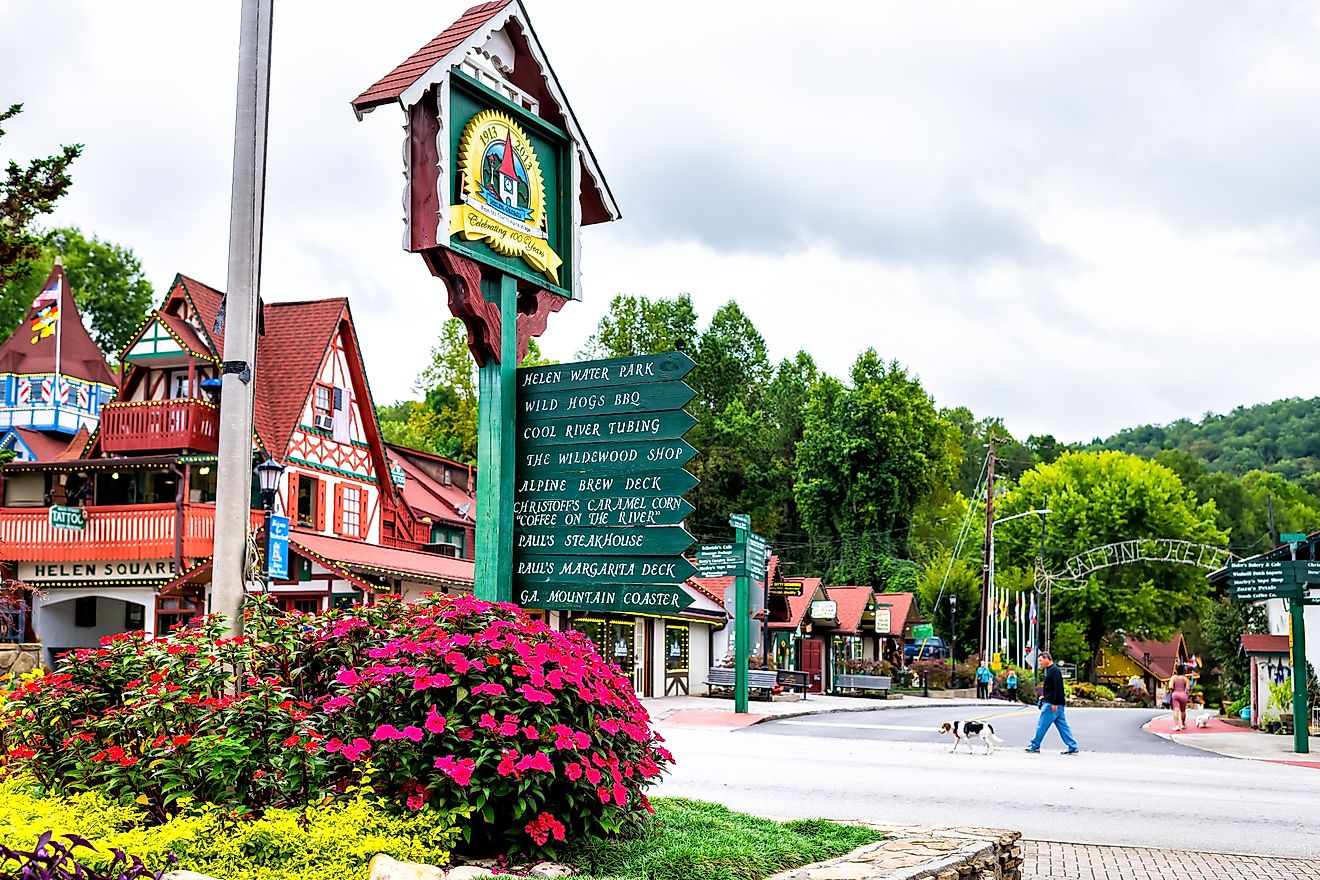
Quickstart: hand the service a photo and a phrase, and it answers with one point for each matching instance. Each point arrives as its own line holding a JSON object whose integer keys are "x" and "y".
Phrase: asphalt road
{"x": 1127, "y": 788}
{"x": 1115, "y": 731}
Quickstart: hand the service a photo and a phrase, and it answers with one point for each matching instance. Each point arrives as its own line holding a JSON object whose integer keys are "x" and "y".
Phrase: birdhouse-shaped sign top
{"x": 497, "y": 167}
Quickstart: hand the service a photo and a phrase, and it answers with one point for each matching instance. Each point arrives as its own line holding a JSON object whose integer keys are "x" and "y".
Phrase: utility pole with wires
{"x": 988, "y": 562}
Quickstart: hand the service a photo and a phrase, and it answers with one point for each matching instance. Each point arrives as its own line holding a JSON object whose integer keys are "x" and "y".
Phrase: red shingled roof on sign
{"x": 396, "y": 82}
{"x": 1255, "y": 643}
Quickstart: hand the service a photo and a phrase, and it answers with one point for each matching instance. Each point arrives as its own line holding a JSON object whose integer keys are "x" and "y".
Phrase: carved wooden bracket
{"x": 462, "y": 277}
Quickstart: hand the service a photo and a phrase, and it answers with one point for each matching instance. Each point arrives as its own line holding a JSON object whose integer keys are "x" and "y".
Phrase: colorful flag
{"x": 46, "y": 311}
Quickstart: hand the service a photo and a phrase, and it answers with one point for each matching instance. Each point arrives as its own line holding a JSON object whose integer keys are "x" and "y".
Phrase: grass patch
{"x": 692, "y": 840}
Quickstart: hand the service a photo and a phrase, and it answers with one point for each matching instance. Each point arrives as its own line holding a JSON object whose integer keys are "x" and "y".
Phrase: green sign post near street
{"x": 599, "y": 483}
{"x": 1254, "y": 580}
{"x": 745, "y": 560}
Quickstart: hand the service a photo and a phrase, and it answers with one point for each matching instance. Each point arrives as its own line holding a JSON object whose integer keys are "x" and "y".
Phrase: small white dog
{"x": 966, "y": 731}
{"x": 1203, "y": 720}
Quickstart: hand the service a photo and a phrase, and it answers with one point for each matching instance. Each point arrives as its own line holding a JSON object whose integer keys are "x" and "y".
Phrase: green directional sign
{"x": 1292, "y": 537}
{"x": 587, "y": 430}
{"x": 650, "y": 541}
{"x": 604, "y": 459}
{"x": 623, "y": 399}
{"x": 667, "y": 366}
{"x": 740, "y": 520}
{"x": 626, "y": 599}
{"x": 597, "y": 569}
{"x": 607, "y": 512}
{"x": 671, "y": 482}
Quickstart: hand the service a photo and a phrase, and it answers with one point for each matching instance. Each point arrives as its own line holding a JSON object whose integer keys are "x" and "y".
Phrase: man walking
{"x": 1052, "y": 702}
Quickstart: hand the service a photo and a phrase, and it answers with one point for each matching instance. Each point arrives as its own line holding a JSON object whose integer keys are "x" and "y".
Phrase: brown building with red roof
{"x": 138, "y": 554}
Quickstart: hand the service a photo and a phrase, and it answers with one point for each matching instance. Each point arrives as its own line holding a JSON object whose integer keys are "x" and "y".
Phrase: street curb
{"x": 850, "y": 709}
{"x": 923, "y": 852}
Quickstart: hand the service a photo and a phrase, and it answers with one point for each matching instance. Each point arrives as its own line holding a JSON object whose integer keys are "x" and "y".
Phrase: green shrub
{"x": 933, "y": 672}
{"x": 333, "y": 842}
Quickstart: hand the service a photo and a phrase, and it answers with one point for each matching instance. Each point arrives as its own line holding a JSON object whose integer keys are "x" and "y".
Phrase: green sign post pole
{"x": 1301, "y": 744}
{"x": 495, "y": 455}
{"x": 742, "y": 617}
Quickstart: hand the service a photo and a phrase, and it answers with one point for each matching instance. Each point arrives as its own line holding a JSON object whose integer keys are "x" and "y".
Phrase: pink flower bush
{"x": 457, "y": 703}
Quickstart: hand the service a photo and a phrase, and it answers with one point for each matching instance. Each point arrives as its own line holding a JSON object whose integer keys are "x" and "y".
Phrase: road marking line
{"x": 861, "y": 726}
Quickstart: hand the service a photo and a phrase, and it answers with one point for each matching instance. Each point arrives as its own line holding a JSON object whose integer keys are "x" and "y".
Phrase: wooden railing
{"x": 138, "y": 531}
{"x": 160, "y": 425}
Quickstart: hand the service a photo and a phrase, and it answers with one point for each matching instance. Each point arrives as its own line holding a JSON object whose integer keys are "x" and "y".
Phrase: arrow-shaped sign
{"x": 651, "y": 397}
{"x": 589, "y": 430}
{"x": 592, "y": 570}
{"x": 667, "y": 365}
{"x": 625, "y": 599}
{"x": 604, "y": 459}
{"x": 645, "y": 541}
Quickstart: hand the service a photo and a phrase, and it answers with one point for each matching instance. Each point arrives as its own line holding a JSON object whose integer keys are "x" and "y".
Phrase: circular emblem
{"x": 501, "y": 192}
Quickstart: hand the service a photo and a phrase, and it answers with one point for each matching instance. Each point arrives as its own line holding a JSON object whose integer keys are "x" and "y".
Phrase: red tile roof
{"x": 797, "y": 605}
{"x": 1254, "y": 643}
{"x": 902, "y": 606}
{"x": 396, "y": 82}
{"x": 713, "y": 588}
{"x": 50, "y": 446}
{"x": 79, "y": 356}
{"x": 206, "y": 303}
{"x": 427, "y": 495}
{"x": 852, "y": 603}
{"x": 374, "y": 560}
{"x": 185, "y": 334}
{"x": 1164, "y": 656}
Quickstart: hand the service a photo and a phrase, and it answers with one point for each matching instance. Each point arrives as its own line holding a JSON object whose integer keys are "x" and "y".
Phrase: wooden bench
{"x": 863, "y": 683}
{"x": 764, "y": 680}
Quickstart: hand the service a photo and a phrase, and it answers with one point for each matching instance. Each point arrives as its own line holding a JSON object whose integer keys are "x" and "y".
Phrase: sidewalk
{"x": 1235, "y": 742}
{"x": 703, "y": 711}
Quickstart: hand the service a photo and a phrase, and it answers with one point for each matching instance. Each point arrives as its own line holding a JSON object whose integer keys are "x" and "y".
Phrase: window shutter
{"x": 364, "y": 521}
{"x": 339, "y": 509}
{"x": 320, "y": 505}
{"x": 291, "y": 509}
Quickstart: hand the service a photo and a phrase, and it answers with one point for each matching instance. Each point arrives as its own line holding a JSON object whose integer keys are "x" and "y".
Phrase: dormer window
{"x": 323, "y": 402}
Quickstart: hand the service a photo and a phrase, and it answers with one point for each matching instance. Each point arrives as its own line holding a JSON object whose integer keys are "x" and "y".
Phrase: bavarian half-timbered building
{"x": 135, "y": 550}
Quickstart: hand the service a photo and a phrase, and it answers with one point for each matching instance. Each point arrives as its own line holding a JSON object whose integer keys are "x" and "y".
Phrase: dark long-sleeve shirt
{"x": 1052, "y": 682}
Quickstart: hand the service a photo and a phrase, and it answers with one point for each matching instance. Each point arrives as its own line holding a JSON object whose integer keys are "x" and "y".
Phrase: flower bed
{"x": 451, "y": 703}
{"x": 334, "y": 842}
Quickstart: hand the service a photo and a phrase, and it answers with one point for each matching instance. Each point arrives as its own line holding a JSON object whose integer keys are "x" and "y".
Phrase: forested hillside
{"x": 1282, "y": 437}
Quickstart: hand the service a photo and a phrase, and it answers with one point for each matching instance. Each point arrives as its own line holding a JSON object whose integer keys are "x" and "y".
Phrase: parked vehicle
{"x": 927, "y": 649}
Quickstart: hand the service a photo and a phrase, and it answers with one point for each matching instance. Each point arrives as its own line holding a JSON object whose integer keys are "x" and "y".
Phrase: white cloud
{"x": 1077, "y": 216}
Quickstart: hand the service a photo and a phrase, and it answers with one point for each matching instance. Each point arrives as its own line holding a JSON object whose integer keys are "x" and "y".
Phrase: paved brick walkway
{"x": 1073, "y": 861}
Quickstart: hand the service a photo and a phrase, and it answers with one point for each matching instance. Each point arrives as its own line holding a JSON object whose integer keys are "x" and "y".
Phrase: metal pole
{"x": 953, "y": 640}
{"x": 269, "y": 504}
{"x": 234, "y": 460}
{"x": 988, "y": 561}
{"x": 742, "y": 627}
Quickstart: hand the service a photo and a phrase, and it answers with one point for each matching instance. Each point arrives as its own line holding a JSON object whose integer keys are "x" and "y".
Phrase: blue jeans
{"x": 1047, "y": 717}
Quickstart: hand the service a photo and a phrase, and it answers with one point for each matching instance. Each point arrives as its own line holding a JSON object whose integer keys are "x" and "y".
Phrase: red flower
{"x": 435, "y": 722}
{"x": 291, "y": 741}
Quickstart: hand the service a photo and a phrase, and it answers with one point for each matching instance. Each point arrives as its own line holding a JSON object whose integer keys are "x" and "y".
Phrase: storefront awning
{"x": 356, "y": 561}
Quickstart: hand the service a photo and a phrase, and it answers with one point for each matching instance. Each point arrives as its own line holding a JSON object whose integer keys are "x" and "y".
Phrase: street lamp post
{"x": 953, "y": 640}
{"x": 268, "y": 478}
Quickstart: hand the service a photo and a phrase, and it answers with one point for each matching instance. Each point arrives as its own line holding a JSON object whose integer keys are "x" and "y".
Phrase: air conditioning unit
{"x": 324, "y": 422}
{"x": 441, "y": 548}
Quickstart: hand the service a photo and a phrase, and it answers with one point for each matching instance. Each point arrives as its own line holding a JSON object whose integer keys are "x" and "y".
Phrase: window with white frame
{"x": 350, "y": 511}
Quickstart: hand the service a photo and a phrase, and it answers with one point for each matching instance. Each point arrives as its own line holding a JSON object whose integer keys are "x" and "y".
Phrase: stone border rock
{"x": 924, "y": 852}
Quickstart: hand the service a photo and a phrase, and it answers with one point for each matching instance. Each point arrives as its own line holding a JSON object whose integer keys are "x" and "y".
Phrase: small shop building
{"x": 1270, "y": 664}
{"x": 1153, "y": 663}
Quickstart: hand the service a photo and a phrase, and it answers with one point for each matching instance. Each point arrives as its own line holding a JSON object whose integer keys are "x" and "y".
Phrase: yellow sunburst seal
{"x": 503, "y": 192}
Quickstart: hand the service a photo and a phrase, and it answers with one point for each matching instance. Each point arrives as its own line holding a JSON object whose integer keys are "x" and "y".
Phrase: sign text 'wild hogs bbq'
{"x": 599, "y": 483}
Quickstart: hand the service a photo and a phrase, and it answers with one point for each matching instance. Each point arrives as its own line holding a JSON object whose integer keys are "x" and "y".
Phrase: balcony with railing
{"x": 160, "y": 425}
{"x": 111, "y": 532}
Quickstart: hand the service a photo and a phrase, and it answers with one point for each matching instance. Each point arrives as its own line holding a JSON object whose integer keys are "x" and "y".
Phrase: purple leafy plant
{"x": 51, "y": 859}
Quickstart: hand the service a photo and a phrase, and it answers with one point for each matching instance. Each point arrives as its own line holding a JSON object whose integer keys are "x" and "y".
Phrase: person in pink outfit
{"x": 1179, "y": 693}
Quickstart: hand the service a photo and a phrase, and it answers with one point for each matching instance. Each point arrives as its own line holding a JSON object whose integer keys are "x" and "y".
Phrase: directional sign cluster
{"x": 1256, "y": 579}
{"x": 599, "y": 484}
{"x": 734, "y": 560}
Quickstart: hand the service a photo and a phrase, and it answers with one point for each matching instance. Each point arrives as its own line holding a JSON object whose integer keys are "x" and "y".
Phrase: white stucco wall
{"x": 53, "y": 617}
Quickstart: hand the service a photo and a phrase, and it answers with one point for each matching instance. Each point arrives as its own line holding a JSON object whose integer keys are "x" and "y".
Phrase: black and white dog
{"x": 966, "y": 731}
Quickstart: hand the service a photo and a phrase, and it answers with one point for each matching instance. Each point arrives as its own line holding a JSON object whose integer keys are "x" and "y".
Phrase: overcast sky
{"x": 1077, "y": 216}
